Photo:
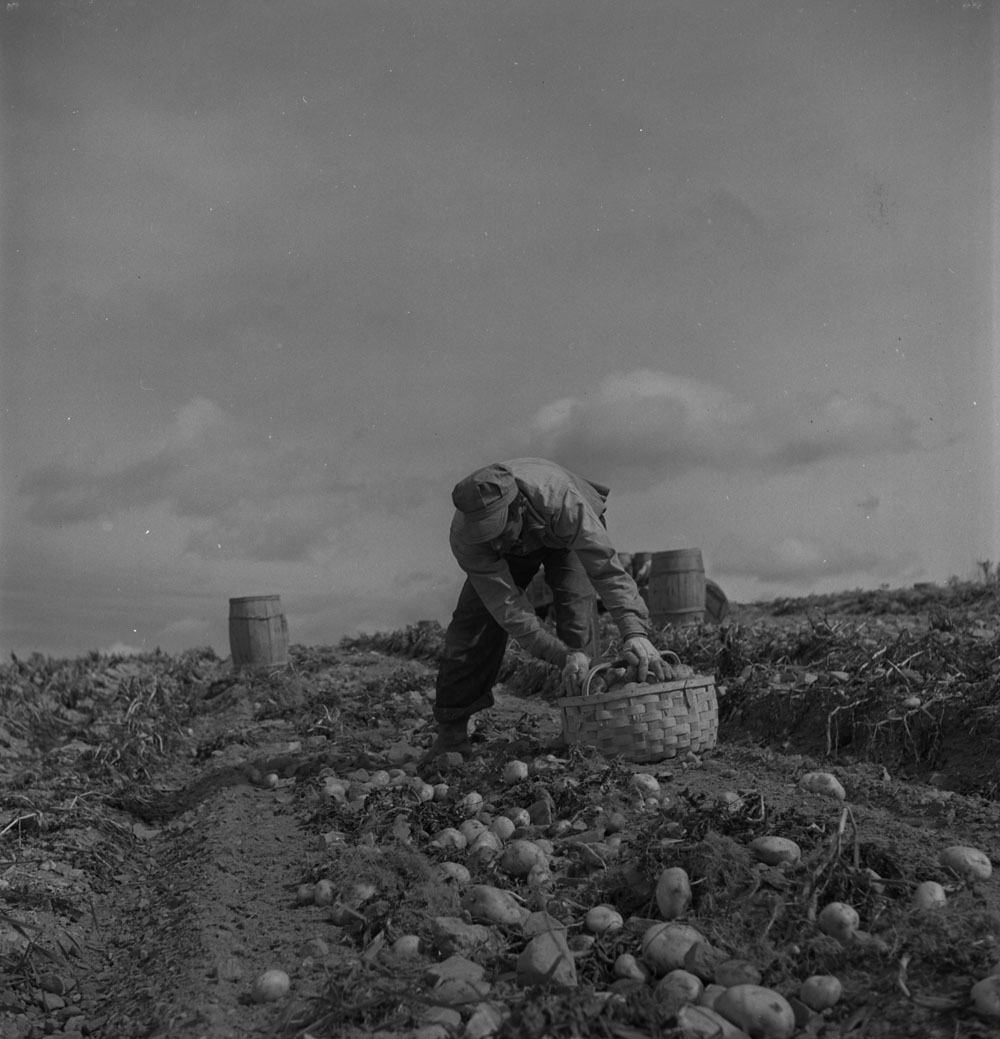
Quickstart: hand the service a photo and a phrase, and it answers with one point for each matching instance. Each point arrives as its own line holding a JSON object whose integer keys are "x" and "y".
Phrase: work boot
{"x": 452, "y": 738}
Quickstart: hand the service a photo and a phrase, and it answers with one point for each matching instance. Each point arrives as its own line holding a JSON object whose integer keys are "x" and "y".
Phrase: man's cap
{"x": 482, "y": 500}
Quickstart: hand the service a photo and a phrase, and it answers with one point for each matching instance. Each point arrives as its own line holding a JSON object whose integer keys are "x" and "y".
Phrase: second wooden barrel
{"x": 676, "y": 592}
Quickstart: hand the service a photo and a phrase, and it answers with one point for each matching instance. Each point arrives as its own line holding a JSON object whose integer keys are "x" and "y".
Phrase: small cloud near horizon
{"x": 802, "y": 562}
{"x": 647, "y": 426}
{"x": 122, "y": 649}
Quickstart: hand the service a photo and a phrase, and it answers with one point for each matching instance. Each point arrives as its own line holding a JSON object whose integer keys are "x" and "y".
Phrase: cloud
{"x": 243, "y": 495}
{"x": 240, "y": 493}
{"x": 60, "y": 494}
{"x": 804, "y": 562}
{"x": 647, "y": 426}
{"x": 286, "y": 532}
{"x": 122, "y": 649}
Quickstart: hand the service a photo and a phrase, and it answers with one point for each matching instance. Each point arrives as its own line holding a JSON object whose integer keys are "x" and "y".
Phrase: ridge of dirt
{"x": 223, "y": 877}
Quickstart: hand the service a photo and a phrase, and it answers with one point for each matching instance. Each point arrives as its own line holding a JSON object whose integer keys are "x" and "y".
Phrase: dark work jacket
{"x": 564, "y": 511}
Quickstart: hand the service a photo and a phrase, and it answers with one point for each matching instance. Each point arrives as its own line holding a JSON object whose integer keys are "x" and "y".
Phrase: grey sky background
{"x": 276, "y": 275}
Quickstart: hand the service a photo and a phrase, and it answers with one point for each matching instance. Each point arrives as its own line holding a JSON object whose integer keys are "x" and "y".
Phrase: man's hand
{"x": 574, "y": 672}
{"x": 644, "y": 657}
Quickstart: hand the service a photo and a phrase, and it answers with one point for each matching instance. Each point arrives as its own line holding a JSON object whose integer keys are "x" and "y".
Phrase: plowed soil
{"x": 164, "y": 822}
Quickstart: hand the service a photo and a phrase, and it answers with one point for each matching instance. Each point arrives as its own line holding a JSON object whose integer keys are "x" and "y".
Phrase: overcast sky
{"x": 275, "y": 275}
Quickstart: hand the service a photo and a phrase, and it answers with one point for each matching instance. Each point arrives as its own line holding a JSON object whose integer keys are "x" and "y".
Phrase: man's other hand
{"x": 574, "y": 672}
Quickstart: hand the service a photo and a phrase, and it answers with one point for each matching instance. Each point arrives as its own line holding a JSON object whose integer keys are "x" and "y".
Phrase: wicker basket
{"x": 643, "y": 723}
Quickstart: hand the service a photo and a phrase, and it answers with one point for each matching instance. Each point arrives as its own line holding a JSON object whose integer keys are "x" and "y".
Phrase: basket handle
{"x": 608, "y": 664}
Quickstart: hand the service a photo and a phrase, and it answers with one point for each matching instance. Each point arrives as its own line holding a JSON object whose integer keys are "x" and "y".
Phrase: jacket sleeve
{"x": 575, "y": 523}
{"x": 509, "y": 606}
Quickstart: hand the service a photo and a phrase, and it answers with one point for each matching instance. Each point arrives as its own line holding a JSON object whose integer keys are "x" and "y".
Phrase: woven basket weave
{"x": 643, "y": 723}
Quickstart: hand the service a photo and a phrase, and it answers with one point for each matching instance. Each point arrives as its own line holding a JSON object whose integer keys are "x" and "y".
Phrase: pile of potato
{"x": 707, "y": 990}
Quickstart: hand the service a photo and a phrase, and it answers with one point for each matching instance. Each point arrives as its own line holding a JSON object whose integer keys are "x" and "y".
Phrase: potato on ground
{"x": 761, "y": 1012}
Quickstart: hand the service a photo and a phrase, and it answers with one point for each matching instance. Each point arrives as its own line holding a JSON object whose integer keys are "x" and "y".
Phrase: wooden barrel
{"x": 676, "y": 592}
{"x": 258, "y": 632}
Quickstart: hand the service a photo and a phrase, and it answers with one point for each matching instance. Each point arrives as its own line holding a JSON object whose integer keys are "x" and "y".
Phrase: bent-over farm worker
{"x": 511, "y": 518}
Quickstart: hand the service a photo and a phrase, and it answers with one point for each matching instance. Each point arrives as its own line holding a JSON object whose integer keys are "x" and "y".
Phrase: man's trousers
{"x": 475, "y": 642}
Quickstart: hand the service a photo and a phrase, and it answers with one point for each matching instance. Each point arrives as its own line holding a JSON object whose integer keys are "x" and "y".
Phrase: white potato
{"x": 774, "y": 851}
{"x": 628, "y": 967}
{"x": 503, "y": 827}
{"x": 665, "y": 945}
{"x": 269, "y": 986}
{"x": 603, "y": 919}
{"x": 488, "y": 904}
{"x": 676, "y": 989}
{"x": 324, "y": 892}
{"x": 929, "y": 895}
{"x": 839, "y": 920}
{"x": 824, "y": 783}
{"x": 647, "y": 785}
{"x": 472, "y": 802}
{"x": 449, "y": 838}
{"x": 761, "y": 1012}
{"x": 986, "y": 996}
{"x": 486, "y": 839}
{"x": 453, "y": 871}
{"x": 820, "y": 991}
{"x": 471, "y": 829}
{"x": 673, "y": 892}
{"x": 970, "y": 864}
{"x": 407, "y": 945}
{"x": 520, "y": 856}
{"x": 514, "y": 772}
{"x": 520, "y": 817}
{"x": 485, "y": 848}
{"x": 333, "y": 789}
{"x": 539, "y": 876}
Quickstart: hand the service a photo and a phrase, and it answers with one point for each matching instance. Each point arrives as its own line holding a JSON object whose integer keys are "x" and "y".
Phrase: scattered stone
{"x": 486, "y": 1020}
{"x": 53, "y": 983}
{"x": 702, "y": 959}
{"x": 448, "y": 1017}
{"x": 546, "y": 960}
{"x": 541, "y": 813}
{"x": 51, "y": 1002}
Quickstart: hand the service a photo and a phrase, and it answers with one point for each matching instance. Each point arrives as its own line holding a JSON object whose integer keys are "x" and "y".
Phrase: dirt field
{"x": 164, "y": 825}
